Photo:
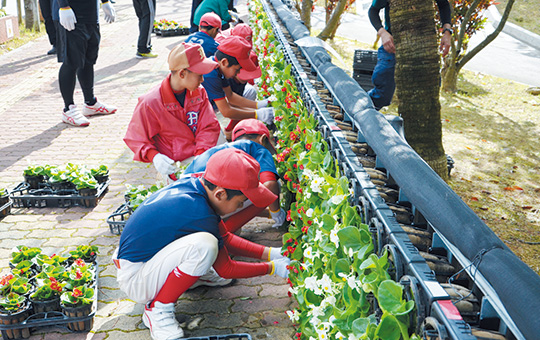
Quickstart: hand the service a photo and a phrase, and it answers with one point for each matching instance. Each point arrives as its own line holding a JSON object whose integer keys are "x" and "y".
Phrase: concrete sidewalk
{"x": 30, "y": 106}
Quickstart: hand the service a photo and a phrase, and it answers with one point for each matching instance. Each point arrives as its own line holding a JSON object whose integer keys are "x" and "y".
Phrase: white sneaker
{"x": 74, "y": 117}
{"x": 98, "y": 109}
{"x": 162, "y": 321}
{"x": 211, "y": 279}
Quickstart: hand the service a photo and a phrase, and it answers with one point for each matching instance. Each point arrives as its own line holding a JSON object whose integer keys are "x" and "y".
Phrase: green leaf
{"x": 388, "y": 328}
{"x": 360, "y": 326}
{"x": 341, "y": 266}
{"x": 350, "y": 237}
{"x": 390, "y": 297}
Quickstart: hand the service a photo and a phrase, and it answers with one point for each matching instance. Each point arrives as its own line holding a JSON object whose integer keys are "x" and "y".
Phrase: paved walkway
{"x": 31, "y": 131}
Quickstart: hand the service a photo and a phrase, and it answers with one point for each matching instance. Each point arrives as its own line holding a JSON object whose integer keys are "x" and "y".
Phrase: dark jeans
{"x": 383, "y": 79}
{"x": 46, "y": 11}
{"x": 146, "y": 12}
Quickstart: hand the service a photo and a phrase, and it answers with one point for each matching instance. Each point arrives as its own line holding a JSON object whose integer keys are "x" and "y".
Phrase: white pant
{"x": 193, "y": 254}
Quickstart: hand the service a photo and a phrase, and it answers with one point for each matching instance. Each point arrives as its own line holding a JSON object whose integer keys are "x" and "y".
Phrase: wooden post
{"x": 19, "y": 11}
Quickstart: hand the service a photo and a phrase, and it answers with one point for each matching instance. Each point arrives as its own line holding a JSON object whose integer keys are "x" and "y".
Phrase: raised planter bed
{"x": 24, "y": 197}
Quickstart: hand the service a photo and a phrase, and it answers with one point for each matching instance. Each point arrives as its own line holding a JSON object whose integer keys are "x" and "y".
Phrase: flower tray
{"x": 172, "y": 32}
{"x": 23, "y": 329}
{"x": 242, "y": 336}
{"x": 117, "y": 220}
{"x": 24, "y": 197}
{"x": 5, "y": 209}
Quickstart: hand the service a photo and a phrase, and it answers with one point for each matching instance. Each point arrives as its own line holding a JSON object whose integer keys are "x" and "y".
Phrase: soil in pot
{"x": 15, "y": 318}
{"x": 78, "y": 312}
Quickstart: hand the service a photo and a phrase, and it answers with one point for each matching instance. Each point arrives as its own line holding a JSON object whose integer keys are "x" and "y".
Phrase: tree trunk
{"x": 306, "y": 13}
{"x": 333, "y": 22}
{"x": 417, "y": 79}
{"x": 456, "y": 59}
{"x": 31, "y": 15}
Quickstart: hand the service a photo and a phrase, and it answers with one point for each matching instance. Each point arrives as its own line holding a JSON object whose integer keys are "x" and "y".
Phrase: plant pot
{"x": 4, "y": 199}
{"x": 91, "y": 193}
{"x": 34, "y": 181}
{"x": 65, "y": 185}
{"x": 79, "y": 312}
{"x": 16, "y": 318}
{"x": 102, "y": 178}
{"x": 40, "y": 306}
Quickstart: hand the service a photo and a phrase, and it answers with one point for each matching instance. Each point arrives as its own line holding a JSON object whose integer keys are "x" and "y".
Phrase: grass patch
{"x": 524, "y": 13}
{"x": 25, "y": 37}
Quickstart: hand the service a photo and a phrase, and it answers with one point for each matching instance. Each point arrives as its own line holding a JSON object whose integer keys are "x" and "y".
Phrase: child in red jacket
{"x": 175, "y": 121}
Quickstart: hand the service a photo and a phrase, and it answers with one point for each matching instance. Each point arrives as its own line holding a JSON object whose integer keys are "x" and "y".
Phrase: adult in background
{"x": 80, "y": 19}
{"x": 383, "y": 74}
{"x": 174, "y": 121}
{"x": 46, "y": 7}
{"x": 146, "y": 12}
{"x": 220, "y": 7}
{"x": 209, "y": 27}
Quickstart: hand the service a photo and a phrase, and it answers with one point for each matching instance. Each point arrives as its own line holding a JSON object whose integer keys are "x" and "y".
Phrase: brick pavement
{"x": 31, "y": 131}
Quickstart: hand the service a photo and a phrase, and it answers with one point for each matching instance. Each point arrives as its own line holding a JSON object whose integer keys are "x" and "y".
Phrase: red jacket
{"x": 160, "y": 125}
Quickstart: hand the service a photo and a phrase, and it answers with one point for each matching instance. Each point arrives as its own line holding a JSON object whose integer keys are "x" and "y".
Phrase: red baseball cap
{"x": 210, "y": 19}
{"x": 239, "y": 48}
{"x": 249, "y": 75}
{"x": 192, "y": 57}
{"x": 252, "y": 126}
{"x": 232, "y": 168}
{"x": 244, "y": 31}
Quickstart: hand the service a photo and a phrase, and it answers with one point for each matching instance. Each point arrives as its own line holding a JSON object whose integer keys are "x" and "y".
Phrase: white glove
{"x": 262, "y": 103}
{"x": 279, "y": 217}
{"x": 280, "y": 267}
{"x": 163, "y": 164}
{"x": 265, "y": 115}
{"x": 110, "y": 13}
{"x": 67, "y": 18}
{"x": 275, "y": 253}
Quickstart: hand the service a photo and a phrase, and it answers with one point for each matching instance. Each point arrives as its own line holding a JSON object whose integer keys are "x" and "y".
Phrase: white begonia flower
{"x": 334, "y": 236}
{"x": 309, "y": 212}
{"x": 318, "y": 235}
{"x": 308, "y": 195}
{"x": 272, "y": 98}
{"x": 316, "y": 311}
{"x": 293, "y": 290}
{"x": 277, "y": 87}
{"x": 337, "y": 199}
{"x": 329, "y": 301}
{"x": 331, "y": 319}
{"x": 302, "y": 155}
{"x": 325, "y": 283}
{"x": 322, "y": 334}
{"x": 308, "y": 253}
{"x": 353, "y": 337}
{"x": 294, "y": 316}
{"x": 352, "y": 282}
{"x": 315, "y": 185}
{"x": 310, "y": 283}
{"x": 141, "y": 187}
{"x": 306, "y": 266}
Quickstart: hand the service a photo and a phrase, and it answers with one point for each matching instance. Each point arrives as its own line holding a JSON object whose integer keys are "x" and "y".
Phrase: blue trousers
{"x": 383, "y": 79}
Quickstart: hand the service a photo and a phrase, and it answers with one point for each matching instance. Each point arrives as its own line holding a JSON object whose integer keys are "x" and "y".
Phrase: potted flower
{"x": 84, "y": 252}
{"x": 46, "y": 298}
{"x": 87, "y": 187}
{"x": 24, "y": 268}
{"x": 14, "y": 309}
{"x": 78, "y": 276}
{"x": 34, "y": 175}
{"x": 58, "y": 272}
{"x": 59, "y": 179}
{"x": 42, "y": 260}
{"x": 101, "y": 174}
{"x": 77, "y": 304}
{"x": 23, "y": 253}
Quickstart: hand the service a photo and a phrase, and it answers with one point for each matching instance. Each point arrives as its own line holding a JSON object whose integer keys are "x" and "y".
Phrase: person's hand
{"x": 279, "y": 267}
{"x": 275, "y": 253}
{"x": 387, "y": 40}
{"x": 278, "y": 217}
{"x": 446, "y": 40}
{"x": 265, "y": 115}
{"x": 163, "y": 164}
{"x": 110, "y": 13}
{"x": 67, "y": 18}
{"x": 262, "y": 103}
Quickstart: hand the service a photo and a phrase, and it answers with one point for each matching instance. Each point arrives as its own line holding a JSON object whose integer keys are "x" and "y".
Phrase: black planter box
{"x": 173, "y": 32}
{"x": 24, "y": 197}
{"x": 117, "y": 220}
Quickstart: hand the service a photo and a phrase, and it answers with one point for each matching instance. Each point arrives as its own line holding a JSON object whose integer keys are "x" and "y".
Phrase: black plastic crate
{"x": 364, "y": 80}
{"x": 364, "y": 60}
{"x": 117, "y": 220}
{"x": 242, "y": 336}
{"x": 5, "y": 209}
{"x": 173, "y": 33}
{"x": 24, "y": 197}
